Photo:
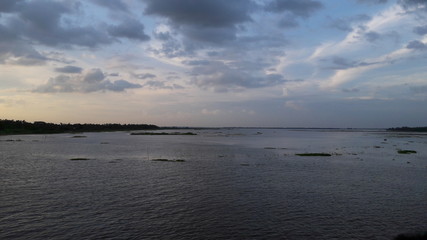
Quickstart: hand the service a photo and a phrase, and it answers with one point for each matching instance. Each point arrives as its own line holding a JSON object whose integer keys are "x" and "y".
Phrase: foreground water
{"x": 233, "y": 184}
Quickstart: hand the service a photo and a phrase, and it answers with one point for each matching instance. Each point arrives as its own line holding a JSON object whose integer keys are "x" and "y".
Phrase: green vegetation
{"x": 406, "y": 151}
{"x": 167, "y": 160}
{"x": 313, "y": 154}
{"x": 408, "y": 129}
{"x": 163, "y": 133}
{"x": 9, "y": 127}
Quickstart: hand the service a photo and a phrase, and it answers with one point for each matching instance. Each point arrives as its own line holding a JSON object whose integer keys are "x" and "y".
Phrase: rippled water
{"x": 234, "y": 184}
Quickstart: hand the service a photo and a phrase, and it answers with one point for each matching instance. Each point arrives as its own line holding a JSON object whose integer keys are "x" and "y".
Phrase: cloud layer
{"x": 93, "y": 80}
{"x": 198, "y": 58}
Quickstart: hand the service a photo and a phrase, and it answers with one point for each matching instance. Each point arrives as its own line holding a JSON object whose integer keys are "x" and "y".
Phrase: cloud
{"x": 288, "y": 21}
{"x": 216, "y": 35}
{"x": 94, "y": 75}
{"x": 144, "y": 75}
{"x": 8, "y": 5}
{"x": 18, "y": 53}
{"x": 372, "y": 1}
{"x": 221, "y": 77}
{"x": 114, "y": 5}
{"x": 161, "y": 85}
{"x": 343, "y": 63}
{"x": 420, "y": 30}
{"x": 69, "y": 69}
{"x": 416, "y": 45}
{"x": 414, "y": 4}
{"x": 350, "y": 90}
{"x": 93, "y": 80}
{"x": 120, "y": 85}
{"x": 203, "y": 20}
{"x": 301, "y": 8}
{"x": 170, "y": 45}
{"x": 15, "y": 51}
{"x": 61, "y": 83}
{"x": 129, "y": 28}
{"x": 31, "y": 25}
{"x": 346, "y": 24}
{"x": 372, "y": 36}
{"x": 206, "y": 13}
{"x": 42, "y": 22}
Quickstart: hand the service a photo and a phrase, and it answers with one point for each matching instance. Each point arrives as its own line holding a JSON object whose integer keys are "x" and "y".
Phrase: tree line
{"x": 408, "y": 129}
{"x": 39, "y": 127}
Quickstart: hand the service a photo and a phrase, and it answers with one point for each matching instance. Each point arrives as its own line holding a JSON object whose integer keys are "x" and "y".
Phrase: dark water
{"x": 234, "y": 184}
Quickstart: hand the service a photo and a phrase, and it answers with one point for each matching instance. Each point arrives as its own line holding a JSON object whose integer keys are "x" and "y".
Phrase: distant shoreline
{"x": 408, "y": 129}
{"x": 21, "y": 127}
{"x": 17, "y": 127}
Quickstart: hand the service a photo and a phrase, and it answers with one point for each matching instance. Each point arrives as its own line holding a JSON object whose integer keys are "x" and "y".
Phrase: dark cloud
{"x": 161, "y": 85}
{"x": 58, "y": 57}
{"x": 7, "y": 34}
{"x": 120, "y": 85}
{"x": 15, "y": 51}
{"x": 94, "y": 75}
{"x": 130, "y": 28}
{"x": 342, "y": 63}
{"x": 18, "y": 53}
{"x": 372, "y": 36}
{"x": 414, "y": 3}
{"x": 203, "y": 20}
{"x": 206, "y": 13}
{"x": 8, "y": 5}
{"x": 421, "y": 30}
{"x": 221, "y": 77}
{"x": 372, "y": 1}
{"x": 215, "y": 35}
{"x": 170, "y": 47}
{"x": 416, "y": 45}
{"x": 61, "y": 83}
{"x": 339, "y": 63}
{"x": 69, "y": 69}
{"x": 114, "y": 5}
{"x": 301, "y": 8}
{"x": 288, "y": 21}
{"x": 163, "y": 36}
{"x": 345, "y": 24}
{"x": 41, "y": 22}
{"x": 28, "y": 24}
{"x": 93, "y": 80}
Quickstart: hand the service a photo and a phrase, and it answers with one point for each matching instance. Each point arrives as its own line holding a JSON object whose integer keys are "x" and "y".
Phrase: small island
{"x": 12, "y": 127}
{"x": 313, "y": 154}
{"x": 164, "y": 133}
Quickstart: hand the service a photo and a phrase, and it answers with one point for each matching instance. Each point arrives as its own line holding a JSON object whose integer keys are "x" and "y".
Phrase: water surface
{"x": 234, "y": 184}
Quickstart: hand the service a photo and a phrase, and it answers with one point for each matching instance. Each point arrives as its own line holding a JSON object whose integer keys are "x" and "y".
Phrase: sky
{"x": 215, "y": 63}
